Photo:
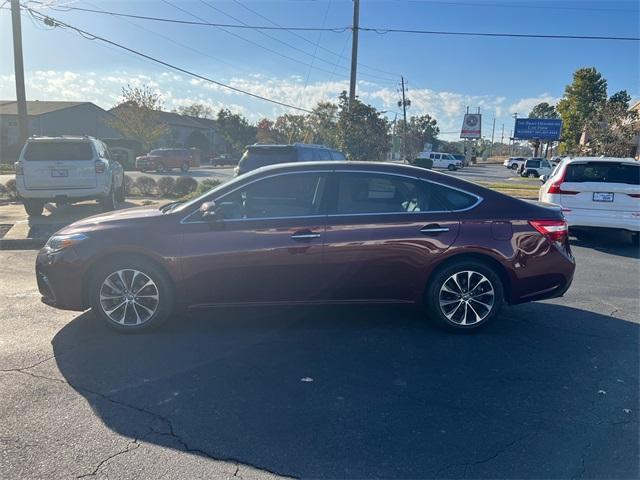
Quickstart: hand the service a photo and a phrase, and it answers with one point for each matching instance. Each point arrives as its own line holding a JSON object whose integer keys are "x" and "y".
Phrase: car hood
{"x": 111, "y": 219}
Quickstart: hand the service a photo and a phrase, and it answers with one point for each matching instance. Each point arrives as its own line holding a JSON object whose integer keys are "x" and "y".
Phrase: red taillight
{"x": 19, "y": 168}
{"x": 556, "y": 187}
{"x": 100, "y": 166}
{"x": 556, "y": 230}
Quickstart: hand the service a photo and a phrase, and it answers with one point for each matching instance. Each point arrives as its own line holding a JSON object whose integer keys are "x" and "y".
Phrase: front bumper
{"x": 60, "y": 279}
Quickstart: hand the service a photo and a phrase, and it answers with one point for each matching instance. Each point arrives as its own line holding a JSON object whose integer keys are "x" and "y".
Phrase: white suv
{"x": 442, "y": 160}
{"x": 596, "y": 192}
{"x": 68, "y": 169}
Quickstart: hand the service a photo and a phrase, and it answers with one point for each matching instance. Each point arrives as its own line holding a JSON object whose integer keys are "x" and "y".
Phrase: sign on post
{"x": 538, "y": 129}
{"x": 471, "y": 126}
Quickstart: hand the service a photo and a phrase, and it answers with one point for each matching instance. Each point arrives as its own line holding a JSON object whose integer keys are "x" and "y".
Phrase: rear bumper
{"x": 603, "y": 219}
{"x": 100, "y": 190}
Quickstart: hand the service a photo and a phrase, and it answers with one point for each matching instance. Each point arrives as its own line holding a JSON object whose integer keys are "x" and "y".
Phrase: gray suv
{"x": 256, "y": 156}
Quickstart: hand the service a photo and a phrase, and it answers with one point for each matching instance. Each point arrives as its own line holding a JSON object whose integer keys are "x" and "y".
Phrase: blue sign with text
{"x": 538, "y": 128}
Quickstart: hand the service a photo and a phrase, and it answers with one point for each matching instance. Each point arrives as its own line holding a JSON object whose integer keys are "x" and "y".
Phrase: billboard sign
{"x": 471, "y": 126}
{"x": 538, "y": 128}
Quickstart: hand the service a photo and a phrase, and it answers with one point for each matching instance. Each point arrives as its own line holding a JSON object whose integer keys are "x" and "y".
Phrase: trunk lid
{"x": 59, "y": 165}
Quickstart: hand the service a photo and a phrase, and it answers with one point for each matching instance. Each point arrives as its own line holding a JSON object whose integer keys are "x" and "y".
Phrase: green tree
{"x": 611, "y": 131}
{"x": 236, "y": 130}
{"x": 197, "y": 110}
{"x": 581, "y": 101}
{"x": 291, "y": 128}
{"x": 322, "y": 124}
{"x": 420, "y": 130}
{"x": 136, "y": 116}
{"x": 362, "y": 132}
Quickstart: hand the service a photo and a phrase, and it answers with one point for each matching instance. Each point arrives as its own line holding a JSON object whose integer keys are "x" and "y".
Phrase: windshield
{"x": 57, "y": 151}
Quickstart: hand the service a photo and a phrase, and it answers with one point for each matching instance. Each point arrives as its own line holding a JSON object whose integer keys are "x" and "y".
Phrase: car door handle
{"x": 433, "y": 228}
{"x": 305, "y": 235}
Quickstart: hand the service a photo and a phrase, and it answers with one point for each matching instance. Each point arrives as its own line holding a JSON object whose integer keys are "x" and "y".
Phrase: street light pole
{"x": 18, "y": 65}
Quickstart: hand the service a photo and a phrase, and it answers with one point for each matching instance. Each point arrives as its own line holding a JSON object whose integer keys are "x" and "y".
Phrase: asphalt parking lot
{"x": 550, "y": 390}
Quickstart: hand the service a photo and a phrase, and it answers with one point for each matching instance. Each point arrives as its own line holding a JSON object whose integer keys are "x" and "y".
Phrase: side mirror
{"x": 208, "y": 210}
{"x": 543, "y": 178}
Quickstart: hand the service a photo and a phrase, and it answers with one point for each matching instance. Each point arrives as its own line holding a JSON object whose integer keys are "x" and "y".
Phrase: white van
{"x": 68, "y": 169}
{"x": 442, "y": 160}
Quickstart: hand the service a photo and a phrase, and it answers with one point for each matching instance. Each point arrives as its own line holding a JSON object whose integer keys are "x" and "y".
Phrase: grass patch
{"x": 514, "y": 189}
{"x": 6, "y": 168}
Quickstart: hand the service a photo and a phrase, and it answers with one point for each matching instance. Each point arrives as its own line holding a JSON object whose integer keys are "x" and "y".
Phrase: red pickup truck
{"x": 164, "y": 159}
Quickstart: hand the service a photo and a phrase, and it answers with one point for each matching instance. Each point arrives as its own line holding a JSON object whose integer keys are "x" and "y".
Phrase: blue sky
{"x": 444, "y": 73}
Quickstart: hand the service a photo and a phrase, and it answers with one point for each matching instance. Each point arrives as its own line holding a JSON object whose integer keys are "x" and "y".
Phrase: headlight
{"x": 60, "y": 242}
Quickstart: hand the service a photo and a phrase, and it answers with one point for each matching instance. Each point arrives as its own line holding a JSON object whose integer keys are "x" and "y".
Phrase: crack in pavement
{"x": 167, "y": 422}
{"x": 489, "y": 458}
{"x": 133, "y": 445}
{"x": 22, "y": 369}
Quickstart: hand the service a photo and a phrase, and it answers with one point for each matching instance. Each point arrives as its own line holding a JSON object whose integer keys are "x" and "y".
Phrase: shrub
{"x": 166, "y": 186}
{"x": 185, "y": 185}
{"x": 12, "y": 189}
{"x": 129, "y": 185}
{"x": 145, "y": 185}
{"x": 203, "y": 187}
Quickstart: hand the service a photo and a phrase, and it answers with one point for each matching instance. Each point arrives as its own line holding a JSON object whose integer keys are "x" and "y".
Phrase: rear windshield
{"x": 603, "y": 172}
{"x": 260, "y": 157}
{"x": 43, "y": 151}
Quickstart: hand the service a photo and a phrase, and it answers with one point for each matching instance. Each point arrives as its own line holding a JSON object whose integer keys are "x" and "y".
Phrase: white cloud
{"x": 180, "y": 90}
{"x": 524, "y": 105}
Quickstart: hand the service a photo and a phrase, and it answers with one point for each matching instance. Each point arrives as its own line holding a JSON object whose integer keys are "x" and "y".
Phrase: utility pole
{"x": 502, "y": 135}
{"x": 404, "y": 103}
{"x": 18, "y": 65}
{"x": 354, "y": 50}
{"x": 493, "y": 130}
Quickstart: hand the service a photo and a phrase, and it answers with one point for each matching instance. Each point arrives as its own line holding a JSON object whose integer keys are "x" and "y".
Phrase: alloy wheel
{"x": 129, "y": 297}
{"x": 466, "y": 297}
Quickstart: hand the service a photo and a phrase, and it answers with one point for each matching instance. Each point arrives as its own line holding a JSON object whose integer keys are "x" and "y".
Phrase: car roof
{"x": 63, "y": 138}
{"x": 601, "y": 159}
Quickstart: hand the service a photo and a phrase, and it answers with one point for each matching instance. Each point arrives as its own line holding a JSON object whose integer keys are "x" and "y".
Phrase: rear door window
{"x": 607, "y": 172}
{"x": 260, "y": 157}
{"x": 57, "y": 151}
{"x": 337, "y": 155}
{"x": 305, "y": 154}
{"x": 362, "y": 193}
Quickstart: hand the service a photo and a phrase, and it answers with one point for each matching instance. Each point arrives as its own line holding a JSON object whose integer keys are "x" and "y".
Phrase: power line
{"x": 379, "y": 30}
{"x": 383, "y": 31}
{"x": 302, "y": 37}
{"x": 90, "y": 36}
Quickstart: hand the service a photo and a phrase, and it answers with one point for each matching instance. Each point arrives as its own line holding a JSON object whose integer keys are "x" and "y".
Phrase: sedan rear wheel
{"x": 465, "y": 295}
{"x": 132, "y": 295}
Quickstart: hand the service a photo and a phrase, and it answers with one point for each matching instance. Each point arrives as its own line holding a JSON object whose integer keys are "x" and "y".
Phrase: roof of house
{"x": 169, "y": 118}
{"x": 36, "y": 107}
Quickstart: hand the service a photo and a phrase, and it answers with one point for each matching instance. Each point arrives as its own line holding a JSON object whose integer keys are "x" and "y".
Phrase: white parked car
{"x": 596, "y": 192}
{"x": 442, "y": 160}
{"x": 513, "y": 163}
{"x": 68, "y": 169}
{"x": 536, "y": 167}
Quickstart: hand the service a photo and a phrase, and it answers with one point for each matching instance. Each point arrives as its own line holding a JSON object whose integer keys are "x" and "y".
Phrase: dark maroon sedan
{"x": 314, "y": 233}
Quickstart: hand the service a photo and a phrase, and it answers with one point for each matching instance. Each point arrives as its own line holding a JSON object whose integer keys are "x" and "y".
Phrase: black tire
{"x": 160, "y": 167}
{"x": 184, "y": 168}
{"x": 635, "y": 239}
{"x": 514, "y": 166}
{"x": 162, "y": 284}
{"x": 33, "y": 207}
{"x": 452, "y": 321}
{"x": 109, "y": 202}
{"x": 451, "y": 167}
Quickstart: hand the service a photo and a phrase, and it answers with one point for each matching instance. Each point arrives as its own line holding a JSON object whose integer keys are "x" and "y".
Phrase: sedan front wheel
{"x": 464, "y": 295}
{"x": 131, "y": 295}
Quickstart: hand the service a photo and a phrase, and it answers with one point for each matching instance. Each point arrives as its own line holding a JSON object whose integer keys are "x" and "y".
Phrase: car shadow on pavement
{"x": 614, "y": 242}
{"x": 546, "y": 391}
